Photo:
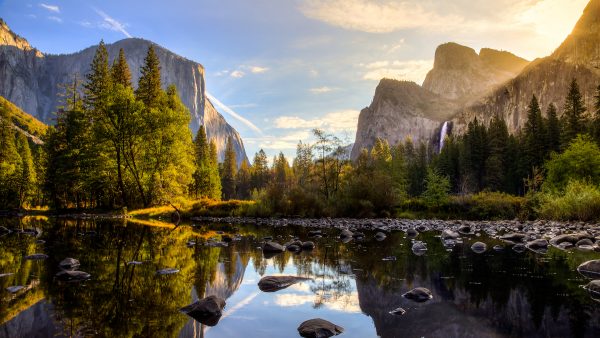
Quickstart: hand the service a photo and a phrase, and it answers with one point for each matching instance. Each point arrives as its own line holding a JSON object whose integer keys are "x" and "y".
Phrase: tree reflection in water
{"x": 492, "y": 294}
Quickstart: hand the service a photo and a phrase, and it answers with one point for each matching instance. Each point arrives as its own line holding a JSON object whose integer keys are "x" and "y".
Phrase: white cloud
{"x": 237, "y": 74}
{"x": 339, "y": 121}
{"x": 373, "y": 16}
{"x": 344, "y": 303}
{"x": 51, "y": 8}
{"x": 85, "y": 23}
{"x": 55, "y": 19}
{"x": 112, "y": 24}
{"x": 321, "y": 90}
{"x": 233, "y": 113}
{"x": 413, "y": 70}
{"x": 258, "y": 70}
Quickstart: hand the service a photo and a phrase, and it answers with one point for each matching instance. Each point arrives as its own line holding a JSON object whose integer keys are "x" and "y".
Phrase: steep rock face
{"x": 31, "y": 80}
{"x": 399, "y": 110}
{"x": 459, "y": 73}
{"x": 582, "y": 46}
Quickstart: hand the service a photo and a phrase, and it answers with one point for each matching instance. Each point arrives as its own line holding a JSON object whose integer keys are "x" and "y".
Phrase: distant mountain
{"x": 31, "y": 79}
{"x": 482, "y": 86}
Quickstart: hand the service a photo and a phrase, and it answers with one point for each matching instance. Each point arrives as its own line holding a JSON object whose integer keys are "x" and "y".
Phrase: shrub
{"x": 580, "y": 200}
{"x": 487, "y": 205}
{"x": 580, "y": 161}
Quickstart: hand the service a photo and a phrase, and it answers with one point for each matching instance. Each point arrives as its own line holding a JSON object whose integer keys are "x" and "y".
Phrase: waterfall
{"x": 443, "y": 134}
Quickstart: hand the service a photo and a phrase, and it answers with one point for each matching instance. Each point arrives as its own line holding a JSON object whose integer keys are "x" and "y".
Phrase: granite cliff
{"x": 31, "y": 79}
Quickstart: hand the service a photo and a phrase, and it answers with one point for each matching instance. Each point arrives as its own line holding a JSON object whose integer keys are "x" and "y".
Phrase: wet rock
{"x": 449, "y": 234}
{"x": 72, "y": 276}
{"x": 319, "y": 328}
{"x": 15, "y": 289}
{"x": 69, "y": 264}
{"x": 538, "y": 244}
{"x": 207, "y": 311}
{"x": 226, "y": 239}
{"x": 418, "y": 295}
{"x": 389, "y": 258}
{"x": 590, "y": 269}
{"x": 358, "y": 235}
{"x": 594, "y": 288}
{"x": 465, "y": 230}
{"x": 585, "y": 241}
{"x": 167, "y": 271}
{"x": 498, "y": 248}
{"x": 134, "y": 263}
{"x": 308, "y": 245}
{"x": 398, "y": 312}
{"x": 419, "y": 248}
{"x": 380, "y": 236}
{"x": 519, "y": 248}
{"x": 570, "y": 238}
{"x": 315, "y": 233}
{"x": 513, "y": 237}
{"x": 273, "y": 247}
{"x": 276, "y": 283}
{"x": 479, "y": 247}
{"x": 345, "y": 234}
{"x": 36, "y": 256}
{"x": 411, "y": 233}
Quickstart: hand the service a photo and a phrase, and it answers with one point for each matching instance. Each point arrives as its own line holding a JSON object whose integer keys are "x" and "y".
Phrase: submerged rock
{"x": 498, "y": 248}
{"x": 513, "y": 237}
{"x": 276, "y": 283}
{"x": 465, "y": 230}
{"x": 36, "y": 256}
{"x": 380, "y": 236}
{"x": 398, "y": 312}
{"x": 167, "y": 271}
{"x": 419, "y": 248}
{"x": 346, "y": 234}
{"x": 449, "y": 234}
{"x": 308, "y": 245}
{"x": 418, "y": 295}
{"x": 69, "y": 263}
{"x": 207, "y": 311}
{"x": 519, "y": 248}
{"x": 273, "y": 247}
{"x": 411, "y": 233}
{"x": 479, "y": 247}
{"x": 72, "y": 276}
{"x": 4, "y": 231}
{"x": 319, "y": 328}
{"x": 593, "y": 287}
{"x": 590, "y": 269}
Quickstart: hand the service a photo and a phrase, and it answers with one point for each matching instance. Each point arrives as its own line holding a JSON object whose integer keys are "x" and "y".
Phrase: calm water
{"x": 494, "y": 294}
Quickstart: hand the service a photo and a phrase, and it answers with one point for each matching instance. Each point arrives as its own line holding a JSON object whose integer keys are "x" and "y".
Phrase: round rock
{"x": 319, "y": 328}
{"x": 418, "y": 295}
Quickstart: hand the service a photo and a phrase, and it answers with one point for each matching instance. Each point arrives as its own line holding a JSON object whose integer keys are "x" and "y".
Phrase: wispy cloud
{"x": 258, "y": 70}
{"x": 55, "y": 19}
{"x": 321, "y": 90}
{"x": 238, "y": 74}
{"x": 233, "y": 113}
{"x": 412, "y": 70}
{"x": 51, "y": 8}
{"x": 112, "y": 24}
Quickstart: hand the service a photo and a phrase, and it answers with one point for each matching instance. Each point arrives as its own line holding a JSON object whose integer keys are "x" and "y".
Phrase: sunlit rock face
{"x": 400, "y": 110}
{"x": 32, "y": 80}
{"x": 491, "y": 83}
{"x": 459, "y": 73}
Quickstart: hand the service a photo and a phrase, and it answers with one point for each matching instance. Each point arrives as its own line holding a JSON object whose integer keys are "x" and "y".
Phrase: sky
{"x": 279, "y": 68}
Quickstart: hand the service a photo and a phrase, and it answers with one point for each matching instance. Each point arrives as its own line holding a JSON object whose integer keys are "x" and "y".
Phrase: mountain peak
{"x": 581, "y": 46}
{"x": 10, "y": 38}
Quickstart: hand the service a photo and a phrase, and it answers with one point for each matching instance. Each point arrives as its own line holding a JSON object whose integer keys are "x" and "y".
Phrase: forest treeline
{"x": 114, "y": 146}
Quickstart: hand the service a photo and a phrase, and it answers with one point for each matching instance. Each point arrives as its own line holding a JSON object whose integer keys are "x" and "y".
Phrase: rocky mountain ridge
{"x": 493, "y": 83}
{"x": 31, "y": 80}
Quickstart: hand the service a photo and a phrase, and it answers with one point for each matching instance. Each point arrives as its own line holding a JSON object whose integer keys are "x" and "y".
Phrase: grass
{"x": 579, "y": 201}
{"x": 195, "y": 208}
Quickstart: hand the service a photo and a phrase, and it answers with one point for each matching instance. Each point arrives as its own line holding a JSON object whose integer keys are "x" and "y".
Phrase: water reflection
{"x": 474, "y": 295}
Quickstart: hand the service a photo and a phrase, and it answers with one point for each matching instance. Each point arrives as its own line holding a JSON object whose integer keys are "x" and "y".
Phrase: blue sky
{"x": 287, "y": 66}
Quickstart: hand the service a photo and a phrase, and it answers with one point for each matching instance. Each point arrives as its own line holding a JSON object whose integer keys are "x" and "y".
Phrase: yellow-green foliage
{"x": 488, "y": 205}
{"x": 207, "y": 207}
{"x": 579, "y": 201}
{"x": 23, "y": 120}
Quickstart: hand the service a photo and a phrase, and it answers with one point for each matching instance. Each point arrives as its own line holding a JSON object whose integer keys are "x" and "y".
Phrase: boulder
{"x": 479, "y": 247}
{"x": 585, "y": 241}
{"x": 594, "y": 288}
{"x": 419, "y": 248}
{"x": 69, "y": 264}
{"x": 207, "y": 311}
{"x": 72, "y": 276}
{"x": 538, "y": 244}
{"x": 308, "y": 245}
{"x": 273, "y": 247}
{"x": 411, "y": 233}
{"x": 418, "y": 295}
{"x": 346, "y": 234}
{"x": 570, "y": 238}
{"x": 36, "y": 257}
{"x": 590, "y": 269}
{"x": 465, "y": 230}
{"x": 276, "y": 283}
{"x": 513, "y": 237}
{"x": 319, "y": 328}
{"x": 398, "y": 312}
{"x": 519, "y": 248}
{"x": 449, "y": 234}
{"x": 380, "y": 236}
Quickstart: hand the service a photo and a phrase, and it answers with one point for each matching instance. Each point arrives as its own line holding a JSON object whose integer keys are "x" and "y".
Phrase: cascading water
{"x": 443, "y": 134}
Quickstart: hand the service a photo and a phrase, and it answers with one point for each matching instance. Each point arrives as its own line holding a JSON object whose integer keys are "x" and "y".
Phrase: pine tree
{"x": 149, "y": 85}
{"x": 573, "y": 114}
{"x": 229, "y": 171}
{"x": 120, "y": 70}
{"x": 596, "y": 122}
{"x": 98, "y": 85}
{"x": 214, "y": 183}
{"x": 496, "y": 162}
{"x": 553, "y": 135}
{"x": 475, "y": 154}
{"x": 260, "y": 170}
{"x": 242, "y": 184}
{"x": 535, "y": 136}
{"x": 26, "y": 178}
{"x": 10, "y": 161}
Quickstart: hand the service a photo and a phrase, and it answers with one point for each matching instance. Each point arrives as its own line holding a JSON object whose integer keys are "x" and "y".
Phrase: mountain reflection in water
{"x": 494, "y": 294}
